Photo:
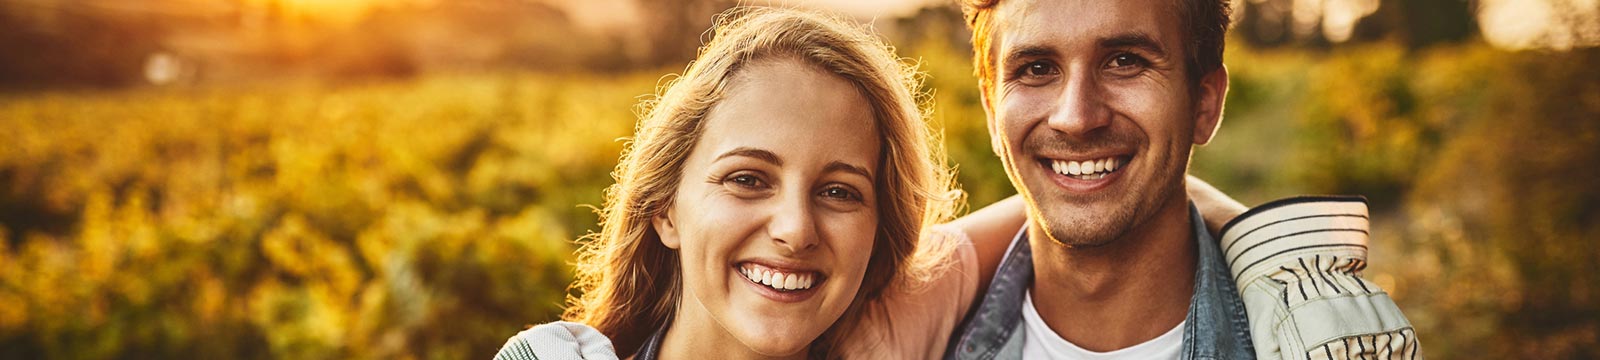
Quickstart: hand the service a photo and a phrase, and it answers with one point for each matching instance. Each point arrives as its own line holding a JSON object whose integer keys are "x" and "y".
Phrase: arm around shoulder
{"x": 991, "y": 230}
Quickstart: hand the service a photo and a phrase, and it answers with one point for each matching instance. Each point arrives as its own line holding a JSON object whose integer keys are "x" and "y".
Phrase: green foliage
{"x": 430, "y": 218}
{"x": 433, "y": 218}
{"x": 1477, "y": 165}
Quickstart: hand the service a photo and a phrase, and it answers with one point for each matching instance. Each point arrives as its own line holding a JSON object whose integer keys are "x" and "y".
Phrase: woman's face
{"x": 775, "y": 216}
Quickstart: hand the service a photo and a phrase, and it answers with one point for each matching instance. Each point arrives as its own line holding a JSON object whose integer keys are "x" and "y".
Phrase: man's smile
{"x": 1085, "y": 174}
{"x": 1093, "y": 169}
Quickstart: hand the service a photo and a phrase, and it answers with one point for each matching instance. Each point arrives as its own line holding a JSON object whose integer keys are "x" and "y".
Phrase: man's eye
{"x": 1037, "y": 73}
{"x": 1126, "y": 64}
{"x": 1040, "y": 69}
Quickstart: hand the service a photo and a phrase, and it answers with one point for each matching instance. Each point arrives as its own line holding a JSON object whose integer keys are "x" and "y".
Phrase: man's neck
{"x": 1123, "y": 293}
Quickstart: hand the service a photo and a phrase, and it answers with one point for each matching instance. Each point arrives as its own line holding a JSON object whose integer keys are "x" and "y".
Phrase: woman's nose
{"x": 792, "y": 225}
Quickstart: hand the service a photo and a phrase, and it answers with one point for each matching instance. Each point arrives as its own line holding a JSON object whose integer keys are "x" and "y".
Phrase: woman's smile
{"x": 787, "y": 285}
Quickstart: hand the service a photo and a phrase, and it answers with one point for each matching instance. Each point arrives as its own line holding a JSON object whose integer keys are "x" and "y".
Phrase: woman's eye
{"x": 839, "y": 193}
{"x": 748, "y": 181}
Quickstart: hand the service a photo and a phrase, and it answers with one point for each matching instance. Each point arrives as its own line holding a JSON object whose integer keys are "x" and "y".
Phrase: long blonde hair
{"x": 630, "y": 282}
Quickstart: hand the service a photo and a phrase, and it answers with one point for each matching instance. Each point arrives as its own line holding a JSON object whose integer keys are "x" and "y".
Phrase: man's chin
{"x": 1082, "y": 240}
{"x": 1087, "y": 229}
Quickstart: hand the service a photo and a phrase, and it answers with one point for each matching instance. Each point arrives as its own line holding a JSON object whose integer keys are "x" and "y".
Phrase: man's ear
{"x": 666, "y": 229}
{"x": 1208, "y": 105}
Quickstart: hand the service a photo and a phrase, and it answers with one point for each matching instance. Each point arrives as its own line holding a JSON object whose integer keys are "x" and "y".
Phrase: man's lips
{"x": 1086, "y": 173}
{"x": 1086, "y": 168}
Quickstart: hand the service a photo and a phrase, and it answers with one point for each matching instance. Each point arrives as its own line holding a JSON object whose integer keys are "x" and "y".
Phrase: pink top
{"x": 917, "y": 325}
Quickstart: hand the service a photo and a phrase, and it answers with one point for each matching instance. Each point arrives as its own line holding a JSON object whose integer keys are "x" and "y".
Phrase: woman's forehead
{"x": 796, "y": 111}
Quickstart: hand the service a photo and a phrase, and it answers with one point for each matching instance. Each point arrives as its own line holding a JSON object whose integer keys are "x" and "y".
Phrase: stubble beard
{"x": 1077, "y": 226}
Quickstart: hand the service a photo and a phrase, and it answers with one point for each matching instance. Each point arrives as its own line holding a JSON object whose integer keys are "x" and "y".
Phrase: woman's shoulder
{"x": 914, "y": 321}
{"x": 955, "y": 272}
{"x": 557, "y": 340}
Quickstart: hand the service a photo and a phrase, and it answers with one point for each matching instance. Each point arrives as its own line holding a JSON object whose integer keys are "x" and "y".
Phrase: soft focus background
{"x": 405, "y": 179}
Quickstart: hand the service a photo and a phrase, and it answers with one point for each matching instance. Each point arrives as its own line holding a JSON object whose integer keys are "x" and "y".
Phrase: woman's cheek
{"x": 858, "y": 232}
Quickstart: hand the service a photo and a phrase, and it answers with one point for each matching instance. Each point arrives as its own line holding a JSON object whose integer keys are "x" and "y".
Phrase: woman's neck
{"x": 693, "y": 334}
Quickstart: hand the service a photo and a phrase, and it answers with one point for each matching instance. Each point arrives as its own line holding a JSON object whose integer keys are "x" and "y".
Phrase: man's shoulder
{"x": 1285, "y": 229}
{"x": 990, "y": 326}
{"x": 1298, "y": 265}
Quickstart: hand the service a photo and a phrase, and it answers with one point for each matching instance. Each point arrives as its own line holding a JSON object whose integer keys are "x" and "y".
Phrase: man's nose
{"x": 793, "y": 226}
{"x": 1081, "y": 108}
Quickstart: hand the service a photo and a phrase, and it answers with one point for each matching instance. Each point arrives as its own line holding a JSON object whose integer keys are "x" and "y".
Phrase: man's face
{"x": 1092, "y": 114}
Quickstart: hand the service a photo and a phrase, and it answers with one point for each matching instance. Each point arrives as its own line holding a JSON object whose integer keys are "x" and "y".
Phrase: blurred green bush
{"x": 434, "y": 217}
{"x": 429, "y": 218}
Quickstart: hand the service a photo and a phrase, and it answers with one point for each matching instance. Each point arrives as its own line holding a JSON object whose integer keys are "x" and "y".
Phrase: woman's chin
{"x": 777, "y": 340}
{"x": 774, "y": 349}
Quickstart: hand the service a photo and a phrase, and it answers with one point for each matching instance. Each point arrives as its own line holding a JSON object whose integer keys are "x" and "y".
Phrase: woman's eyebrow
{"x": 842, "y": 166}
{"x": 768, "y": 156}
{"x": 751, "y": 152}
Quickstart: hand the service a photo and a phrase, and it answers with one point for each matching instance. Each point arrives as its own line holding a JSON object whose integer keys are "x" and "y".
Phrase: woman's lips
{"x": 780, "y": 284}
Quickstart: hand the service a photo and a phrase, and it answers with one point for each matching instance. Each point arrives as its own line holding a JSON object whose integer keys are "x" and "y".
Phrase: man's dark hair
{"x": 1205, "y": 22}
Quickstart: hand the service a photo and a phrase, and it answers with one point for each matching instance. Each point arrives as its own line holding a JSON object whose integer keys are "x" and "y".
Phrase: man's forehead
{"x": 1053, "y": 23}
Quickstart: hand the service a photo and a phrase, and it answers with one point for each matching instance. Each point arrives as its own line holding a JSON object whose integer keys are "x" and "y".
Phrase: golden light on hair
{"x": 629, "y": 282}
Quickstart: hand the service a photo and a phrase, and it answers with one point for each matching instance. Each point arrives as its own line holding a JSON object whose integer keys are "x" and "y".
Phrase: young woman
{"x": 773, "y": 196}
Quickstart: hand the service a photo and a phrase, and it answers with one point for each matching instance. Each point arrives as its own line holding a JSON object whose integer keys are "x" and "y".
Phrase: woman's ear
{"x": 666, "y": 229}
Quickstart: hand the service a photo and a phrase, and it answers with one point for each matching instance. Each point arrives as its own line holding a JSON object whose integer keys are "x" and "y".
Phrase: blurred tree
{"x": 1420, "y": 23}
{"x": 1263, "y": 23}
{"x": 1512, "y": 205}
{"x": 674, "y": 29}
{"x": 80, "y": 43}
{"x": 1415, "y": 23}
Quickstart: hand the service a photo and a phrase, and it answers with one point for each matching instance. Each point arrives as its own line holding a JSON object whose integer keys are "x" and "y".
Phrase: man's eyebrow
{"x": 1016, "y": 54}
{"x": 1137, "y": 40}
{"x": 751, "y": 152}
{"x": 841, "y": 166}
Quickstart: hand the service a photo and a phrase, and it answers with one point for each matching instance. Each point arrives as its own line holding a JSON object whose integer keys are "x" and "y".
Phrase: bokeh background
{"x": 406, "y": 179}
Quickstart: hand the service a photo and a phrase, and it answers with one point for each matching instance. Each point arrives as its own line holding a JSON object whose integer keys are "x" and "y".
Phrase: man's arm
{"x": 991, "y": 229}
{"x": 1216, "y": 207}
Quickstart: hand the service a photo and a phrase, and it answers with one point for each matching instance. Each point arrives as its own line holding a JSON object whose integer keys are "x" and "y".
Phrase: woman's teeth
{"x": 777, "y": 279}
{"x": 1086, "y": 170}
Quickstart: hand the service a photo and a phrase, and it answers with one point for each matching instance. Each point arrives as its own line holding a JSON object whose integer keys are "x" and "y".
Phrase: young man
{"x": 1094, "y": 107}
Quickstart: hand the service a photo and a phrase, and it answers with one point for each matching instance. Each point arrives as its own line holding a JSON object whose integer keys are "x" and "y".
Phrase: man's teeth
{"x": 1086, "y": 170}
{"x": 777, "y": 279}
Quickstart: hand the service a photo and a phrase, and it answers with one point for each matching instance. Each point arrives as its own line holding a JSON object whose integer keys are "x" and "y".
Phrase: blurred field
{"x": 434, "y": 217}
{"x": 428, "y": 218}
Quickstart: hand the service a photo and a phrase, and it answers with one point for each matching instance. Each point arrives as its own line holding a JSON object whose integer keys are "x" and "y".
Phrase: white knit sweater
{"x": 558, "y": 341}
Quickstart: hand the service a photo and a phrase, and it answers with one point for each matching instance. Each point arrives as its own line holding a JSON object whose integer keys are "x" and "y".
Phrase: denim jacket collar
{"x": 1216, "y": 327}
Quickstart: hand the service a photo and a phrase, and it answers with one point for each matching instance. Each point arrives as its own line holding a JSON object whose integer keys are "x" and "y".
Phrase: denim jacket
{"x": 1216, "y": 327}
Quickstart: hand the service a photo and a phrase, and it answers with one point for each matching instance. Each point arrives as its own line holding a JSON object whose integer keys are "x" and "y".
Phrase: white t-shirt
{"x": 1042, "y": 343}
